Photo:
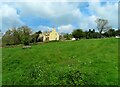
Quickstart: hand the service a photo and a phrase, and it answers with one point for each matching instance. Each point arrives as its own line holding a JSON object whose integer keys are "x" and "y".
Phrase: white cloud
{"x": 88, "y": 22}
{"x": 58, "y": 0}
{"x": 58, "y": 13}
{"x": 66, "y": 28}
{"x": 108, "y": 11}
{"x": 61, "y": 29}
{"x": 63, "y": 14}
{"x": 9, "y": 16}
{"x": 51, "y": 0}
{"x": 44, "y": 28}
{"x": 45, "y": 9}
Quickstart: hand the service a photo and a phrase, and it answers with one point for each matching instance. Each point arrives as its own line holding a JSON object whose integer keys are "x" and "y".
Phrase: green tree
{"x": 38, "y": 32}
{"x": 35, "y": 37}
{"x": 78, "y": 33}
{"x": 15, "y": 36}
{"x": 67, "y": 36}
{"x": 39, "y": 39}
{"x": 7, "y": 39}
{"x": 110, "y": 33}
{"x": 117, "y": 32}
{"x": 25, "y": 32}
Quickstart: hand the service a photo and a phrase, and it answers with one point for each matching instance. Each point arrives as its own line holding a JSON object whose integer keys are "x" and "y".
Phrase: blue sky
{"x": 65, "y": 16}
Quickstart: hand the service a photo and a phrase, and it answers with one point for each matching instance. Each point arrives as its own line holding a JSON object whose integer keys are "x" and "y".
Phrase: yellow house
{"x": 50, "y": 35}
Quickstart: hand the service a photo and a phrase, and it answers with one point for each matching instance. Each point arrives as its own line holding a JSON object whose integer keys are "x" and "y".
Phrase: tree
{"x": 38, "y": 32}
{"x": 11, "y": 37}
{"x": 67, "y": 36}
{"x": 35, "y": 37}
{"x": 7, "y": 39}
{"x": 25, "y": 32}
{"x": 15, "y": 36}
{"x": 102, "y": 25}
{"x": 78, "y": 33}
{"x": 117, "y": 32}
{"x": 38, "y": 39}
{"x": 91, "y": 34}
{"x": 110, "y": 33}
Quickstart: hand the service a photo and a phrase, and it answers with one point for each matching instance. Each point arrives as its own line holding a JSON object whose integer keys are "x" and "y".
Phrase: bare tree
{"x": 102, "y": 25}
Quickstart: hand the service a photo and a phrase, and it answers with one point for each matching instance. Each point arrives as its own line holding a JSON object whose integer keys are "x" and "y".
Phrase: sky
{"x": 64, "y": 15}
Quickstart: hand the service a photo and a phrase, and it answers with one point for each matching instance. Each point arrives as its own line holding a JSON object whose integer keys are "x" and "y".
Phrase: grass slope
{"x": 81, "y": 62}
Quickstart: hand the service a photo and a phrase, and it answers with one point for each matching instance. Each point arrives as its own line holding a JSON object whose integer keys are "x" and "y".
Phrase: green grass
{"x": 84, "y": 62}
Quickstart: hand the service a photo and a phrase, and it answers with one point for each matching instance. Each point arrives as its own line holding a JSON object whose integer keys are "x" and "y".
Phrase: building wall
{"x": 54, "y": 35}
{"x": 44, "y": 38}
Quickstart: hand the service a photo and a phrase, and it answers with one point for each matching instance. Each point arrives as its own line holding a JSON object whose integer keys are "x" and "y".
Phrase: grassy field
{"x": 90, "y": 61}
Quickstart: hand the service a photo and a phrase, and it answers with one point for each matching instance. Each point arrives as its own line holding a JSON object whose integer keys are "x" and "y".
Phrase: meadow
{"x": 82, "y": 62}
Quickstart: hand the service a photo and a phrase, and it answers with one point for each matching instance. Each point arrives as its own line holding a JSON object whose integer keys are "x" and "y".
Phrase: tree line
{"x": 24, "y": 34}
{"x": 104, "y": 30}
{"x": 91, "y": 33}
{"x": 20, "y": 35}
